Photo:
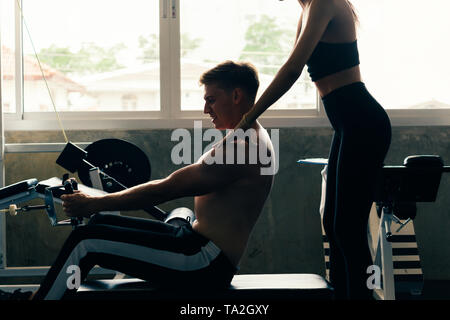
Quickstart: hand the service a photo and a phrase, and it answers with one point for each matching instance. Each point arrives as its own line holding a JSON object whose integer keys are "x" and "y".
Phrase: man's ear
{"x": 238, "y": 95}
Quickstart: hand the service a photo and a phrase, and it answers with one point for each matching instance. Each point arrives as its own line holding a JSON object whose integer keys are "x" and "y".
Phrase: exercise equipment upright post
{"x": 2, "y": 169}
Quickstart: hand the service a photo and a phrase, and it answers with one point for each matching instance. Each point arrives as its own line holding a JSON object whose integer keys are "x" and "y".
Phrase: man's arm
{"x": 193, "y": 180}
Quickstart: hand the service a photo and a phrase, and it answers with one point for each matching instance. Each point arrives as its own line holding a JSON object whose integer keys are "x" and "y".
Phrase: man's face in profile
{"x": 218, "y": 104}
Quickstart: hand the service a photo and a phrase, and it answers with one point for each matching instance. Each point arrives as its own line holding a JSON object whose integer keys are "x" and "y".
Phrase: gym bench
{"x": 257, "y": 287}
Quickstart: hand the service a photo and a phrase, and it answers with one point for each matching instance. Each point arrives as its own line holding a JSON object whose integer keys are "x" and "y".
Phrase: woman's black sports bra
{"x": 328, "y": 58}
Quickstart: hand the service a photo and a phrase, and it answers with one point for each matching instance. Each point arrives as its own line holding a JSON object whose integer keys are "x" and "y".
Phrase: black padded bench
{"x": 269, "y": 287}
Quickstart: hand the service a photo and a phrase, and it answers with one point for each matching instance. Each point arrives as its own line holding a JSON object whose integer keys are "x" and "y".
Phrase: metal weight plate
{"x": 120, "y": 159}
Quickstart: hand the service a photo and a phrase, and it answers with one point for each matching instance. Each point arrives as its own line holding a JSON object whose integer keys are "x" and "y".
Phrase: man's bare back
{"x": 228, "y": 215}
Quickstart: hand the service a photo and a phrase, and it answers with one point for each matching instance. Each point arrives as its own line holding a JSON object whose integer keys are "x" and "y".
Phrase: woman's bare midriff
{"x": 336, "y": 80}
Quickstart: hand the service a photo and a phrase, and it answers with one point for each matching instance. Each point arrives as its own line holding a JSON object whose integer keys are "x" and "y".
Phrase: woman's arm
{"x": 299, "y": 28}
{"x": 320, "y": 14}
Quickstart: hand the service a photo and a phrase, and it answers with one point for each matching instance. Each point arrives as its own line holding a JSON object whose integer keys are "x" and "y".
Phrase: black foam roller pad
{"x": 71, "y": 158}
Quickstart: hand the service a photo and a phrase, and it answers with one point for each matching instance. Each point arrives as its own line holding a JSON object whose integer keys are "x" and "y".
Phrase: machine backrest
{"x": 416, "y": 181}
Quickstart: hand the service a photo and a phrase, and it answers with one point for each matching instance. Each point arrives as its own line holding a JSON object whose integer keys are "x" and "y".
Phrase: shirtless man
{"x": 229, "y": 197}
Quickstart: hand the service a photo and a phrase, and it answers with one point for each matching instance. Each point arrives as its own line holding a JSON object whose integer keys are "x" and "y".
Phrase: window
{"x": 95, "y": 55}
{"x": 404, "y": 52}
{"x": 141, "y": 60}
{"x": 129, "y": 101}
{"x": 260, "y": 32}
{"x": 8, "y": 57}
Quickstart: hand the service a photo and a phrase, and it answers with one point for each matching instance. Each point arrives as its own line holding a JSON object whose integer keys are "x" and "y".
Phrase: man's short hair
{"x": 229, "y": 75}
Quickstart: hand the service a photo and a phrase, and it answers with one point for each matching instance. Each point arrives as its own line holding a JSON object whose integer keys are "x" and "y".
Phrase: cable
{"x": 42, "y": 72}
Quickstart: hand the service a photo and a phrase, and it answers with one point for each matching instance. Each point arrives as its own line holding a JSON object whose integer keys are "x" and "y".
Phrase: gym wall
{"x": 287, "y": 237}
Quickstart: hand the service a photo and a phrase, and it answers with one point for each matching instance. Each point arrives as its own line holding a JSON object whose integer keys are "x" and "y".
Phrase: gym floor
{"x": 432, "y": 290}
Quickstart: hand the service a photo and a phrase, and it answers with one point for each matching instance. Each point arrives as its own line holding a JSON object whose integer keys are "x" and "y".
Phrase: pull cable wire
{"x": 42, "y": 72}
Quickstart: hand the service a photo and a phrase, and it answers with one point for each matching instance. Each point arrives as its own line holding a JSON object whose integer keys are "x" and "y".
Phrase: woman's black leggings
{"x": 360, "y": 143}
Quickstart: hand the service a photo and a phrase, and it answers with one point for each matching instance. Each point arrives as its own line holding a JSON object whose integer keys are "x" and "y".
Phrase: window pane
{"x": 260, "y": 32}
{"x": 404, "y": 52}
{"x": 8, "y": 57}
{"x": 96, "y": 55}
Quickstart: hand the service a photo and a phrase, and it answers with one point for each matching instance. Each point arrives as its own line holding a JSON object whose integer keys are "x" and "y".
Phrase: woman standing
{"x": 326, "y": 42}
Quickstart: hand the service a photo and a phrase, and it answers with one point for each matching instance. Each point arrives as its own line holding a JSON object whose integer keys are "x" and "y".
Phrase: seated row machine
{"x": 101, "y": 171}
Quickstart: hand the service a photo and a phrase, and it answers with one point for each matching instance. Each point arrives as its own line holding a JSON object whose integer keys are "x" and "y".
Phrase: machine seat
{"x": 243, "y": 287}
